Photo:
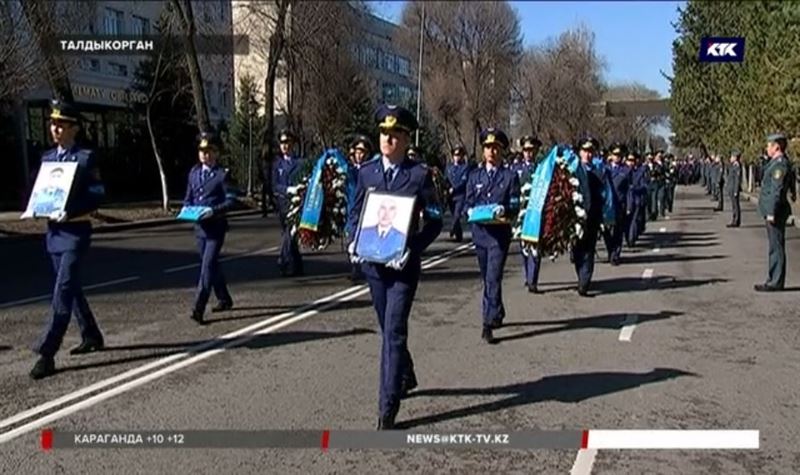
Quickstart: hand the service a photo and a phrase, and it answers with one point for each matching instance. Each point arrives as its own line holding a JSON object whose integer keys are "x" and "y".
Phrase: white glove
{"x": 351, "y": 250}
{"x": 525, "y": 251}
{"x": 499, "y": 211}
{"x": 469, "y": 212}
{"x": 206, "y": 214}
{"x": 58, "y": 216}
{"x": 400, "y": 262}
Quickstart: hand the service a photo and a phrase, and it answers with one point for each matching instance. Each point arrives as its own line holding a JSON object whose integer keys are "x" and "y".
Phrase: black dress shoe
{"x": 495, "y": 324}
{"x": 766, "y": 288}
{"x": 197, "y": 317}
{"x": 731, "y": 225}
{"x": 615, "y": 262}
{"x": 43, "y": 368}
{"x": 222, "y": 307}
{"x": 533, "y": 289}
{"x": 408, "y": 384}
{"x": 386, "y": 423}
{"x": 87, "y": 346}
{"x": 583, "y": 291}
{"x": 487, "y": 336}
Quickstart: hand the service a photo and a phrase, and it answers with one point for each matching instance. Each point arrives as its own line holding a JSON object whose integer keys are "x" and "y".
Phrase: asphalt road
{"x": 674, "y": 338}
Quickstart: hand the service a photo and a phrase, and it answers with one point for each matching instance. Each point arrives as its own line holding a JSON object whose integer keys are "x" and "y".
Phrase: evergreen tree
{"x": 237, "y": 140}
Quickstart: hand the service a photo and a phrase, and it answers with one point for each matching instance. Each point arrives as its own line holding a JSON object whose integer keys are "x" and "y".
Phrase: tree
{"x": 471, "y": 52}
{"x": 182, "y": 9}
{"x": 245, "y": 121}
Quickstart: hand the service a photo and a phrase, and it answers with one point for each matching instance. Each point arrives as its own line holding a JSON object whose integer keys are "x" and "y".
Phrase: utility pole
{"x": 419, "y": 70}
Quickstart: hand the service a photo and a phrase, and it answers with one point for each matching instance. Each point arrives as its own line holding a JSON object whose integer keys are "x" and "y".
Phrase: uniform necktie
{"x": 61, "y": 155}
{"x": 491, "y": 174}
{"x": 389, "y": 175}
{"x": 206, "y": 172}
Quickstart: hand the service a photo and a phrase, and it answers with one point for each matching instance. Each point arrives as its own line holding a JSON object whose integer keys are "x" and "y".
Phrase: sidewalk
{"x": 108, "y": 219}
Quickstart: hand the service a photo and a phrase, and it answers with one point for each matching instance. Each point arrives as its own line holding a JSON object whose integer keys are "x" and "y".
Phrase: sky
{"x": 634, "y": 38}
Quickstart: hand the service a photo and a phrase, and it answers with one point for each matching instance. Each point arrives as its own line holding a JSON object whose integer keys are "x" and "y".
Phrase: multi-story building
{"x": 102, "y": 85}
{"x": 377, "y": 51}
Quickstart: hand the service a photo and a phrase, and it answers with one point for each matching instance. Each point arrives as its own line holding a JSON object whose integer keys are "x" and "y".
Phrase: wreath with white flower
{"x": 333, "y": 217}
{"x": 563, "y": 217}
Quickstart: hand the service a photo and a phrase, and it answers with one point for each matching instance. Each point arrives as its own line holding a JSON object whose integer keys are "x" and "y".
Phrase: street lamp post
{"x": 419, "y": 71}
{"x": 252, "y": 103}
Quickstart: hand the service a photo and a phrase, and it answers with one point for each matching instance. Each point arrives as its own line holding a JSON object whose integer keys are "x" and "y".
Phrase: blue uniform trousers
{"x": 289, "y": 257}
{"x": 530, "y": 268}
{"x": 492, "y": 261}
{"x": 583, "y": 255}
{"x": 211, "y": 276}
{"x": 68, "y": 298}
{"x": 457, "y": 209}
{"x": 392, "y": 295}
{"x": 634, "y": 223}
{"x": 613, "y": 237}
{"x": 776, "y": 236}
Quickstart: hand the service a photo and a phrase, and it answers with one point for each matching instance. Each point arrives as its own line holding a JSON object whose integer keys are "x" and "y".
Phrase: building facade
{"x": 103, "y": 85}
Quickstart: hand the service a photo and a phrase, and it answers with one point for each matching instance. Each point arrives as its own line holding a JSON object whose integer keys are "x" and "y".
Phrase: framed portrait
{"x": 384, "y": 226}
{"x": 51, "y": 189}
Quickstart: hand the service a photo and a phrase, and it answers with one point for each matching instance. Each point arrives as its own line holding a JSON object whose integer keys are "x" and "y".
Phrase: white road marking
{"x": 647, "y": 274}
{"x": 657, "y": 249}
{"x": 662, "y": 230}
{"x": 667, "y": 218}
{"x": 88, "y": 287}
{"x": 224, "y": 259}
{"x": 628, "y": 326}
{"x": 169, "y": 359}
{"x": 583, "y": 462}
{"x": 202, "y": 351}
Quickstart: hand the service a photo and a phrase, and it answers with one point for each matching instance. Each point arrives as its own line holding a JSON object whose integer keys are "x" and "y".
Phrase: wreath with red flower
{"x": 563, "y": 216}
{"x": 333, "y": 217}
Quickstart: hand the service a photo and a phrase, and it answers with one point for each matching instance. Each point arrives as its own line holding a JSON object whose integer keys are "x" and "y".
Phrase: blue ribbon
{"x": 609, "y": 211}
{"x": 532, "y": 223}
{"x": 315, "y": 194}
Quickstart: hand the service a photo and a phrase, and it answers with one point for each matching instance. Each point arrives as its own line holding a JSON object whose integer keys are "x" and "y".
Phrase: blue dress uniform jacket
{"x": 493, "y": 240}
{"x": 620, "y": 176}
{"x": 209, "y": 188}
{"x": 592, "y": 185}
{"x": 457, "y": 175}
{"x": 67, "y": 244}
{"x": 393, "y": 291}
{"x": 286, "y": 173}
{"x": 638, "y": 201}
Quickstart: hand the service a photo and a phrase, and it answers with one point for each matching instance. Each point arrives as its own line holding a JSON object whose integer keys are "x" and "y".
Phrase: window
{"x": 404, "y": 95}
{"x": 403, "y": 66}
{"x": 90, "y": 64}
{"x": 223, "y": 96}
{"x": 117, "y": 69}
{"x": 371, "y": 56}
{"x": 112, "y": 22}
{"x": 140, "y": 26}
{"x": 222, "y": 9}
{"x": 388, "y": 62}
{"x": 389, "y": 93}
{"x": 112, "y": 134}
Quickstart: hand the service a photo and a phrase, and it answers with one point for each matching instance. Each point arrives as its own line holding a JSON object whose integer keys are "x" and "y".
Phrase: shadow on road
{"x": 661, "y": 258}
{"x": 269, "y": 340}
{"x": 612, "y": 321}
{"x": 572, "y": 388}
{"x": 631, "y": 284}
{"x": 5, "y": 348}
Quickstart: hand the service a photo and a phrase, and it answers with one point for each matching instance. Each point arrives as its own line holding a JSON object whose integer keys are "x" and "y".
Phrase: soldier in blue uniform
{"x": 492, "y": 184}
{"x": 68, "y": 238}
{"x": 286, "y": 171}
{"x": 361, "y": 148}
{"x": 774, "y": 207}
{"x": 207, "y": 186}
{"x": 638, "y": 192}
{"x": 621, "y": 181}
{"x": 592, "y": 181}
{"x": 734, "y": 185}
{"x": 531, "y": 263}
{"x": 457, "y": 172}
{"x": 394, "y": 284}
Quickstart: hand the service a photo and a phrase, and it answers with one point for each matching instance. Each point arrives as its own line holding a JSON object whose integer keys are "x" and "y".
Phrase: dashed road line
{"x": 628, "y": 325}
{"x": 584, "y": 462}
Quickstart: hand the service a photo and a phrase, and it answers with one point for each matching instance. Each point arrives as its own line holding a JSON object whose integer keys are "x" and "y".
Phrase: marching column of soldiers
{"x": 641, "y": 190}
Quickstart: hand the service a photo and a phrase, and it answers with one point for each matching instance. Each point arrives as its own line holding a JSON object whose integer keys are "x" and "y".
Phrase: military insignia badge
{"x": 389, "y": 122}
{"x": 777, "y": 174}
{"x": 490, "y": 138}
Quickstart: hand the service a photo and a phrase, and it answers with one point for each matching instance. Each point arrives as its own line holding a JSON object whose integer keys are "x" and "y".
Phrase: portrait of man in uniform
{"x": 51, "y": 189}
{"x": 384, "y": 227}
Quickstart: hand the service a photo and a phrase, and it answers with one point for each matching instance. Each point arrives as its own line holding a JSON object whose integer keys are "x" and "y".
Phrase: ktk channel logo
{"x": 722, "y": 50}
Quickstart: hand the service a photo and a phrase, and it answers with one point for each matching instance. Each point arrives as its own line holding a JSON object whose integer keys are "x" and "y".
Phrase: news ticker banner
{"x": 387, "y": 440}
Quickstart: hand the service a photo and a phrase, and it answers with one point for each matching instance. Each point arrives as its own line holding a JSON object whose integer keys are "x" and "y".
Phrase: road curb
{"x": 145, "y": 223}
